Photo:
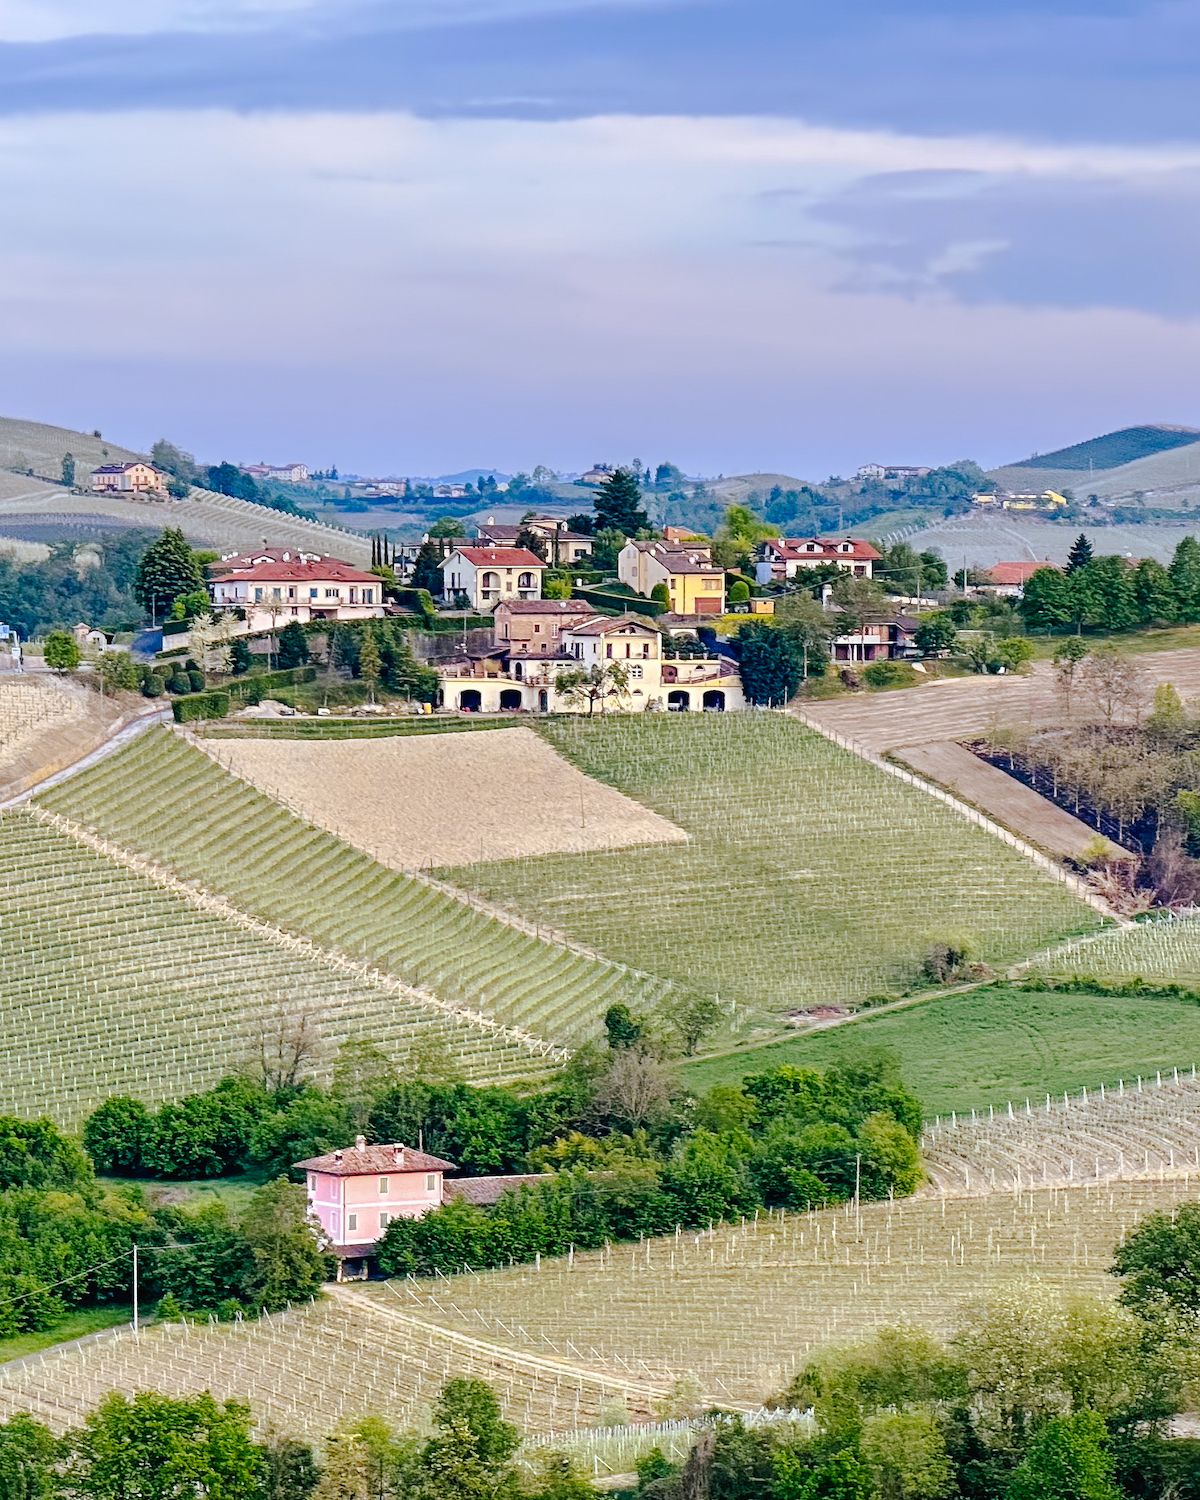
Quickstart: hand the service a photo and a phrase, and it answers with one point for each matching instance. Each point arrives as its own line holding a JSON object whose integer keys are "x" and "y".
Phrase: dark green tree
{"x": 1080, "y": 554}
{"x": 293, "y": 645}
{"x": 68, "y": 470}
{"x": 618, "y": 504}
{"x": 1068, "y": 1459}
{"x": 936, "y": 633}
{"x": 1159, "y": 1266}
{"x": 623, "y": 1028}
{"x": 28, "y": 1460}
{"x": 61, "y": 652}
{"x": 1046, "y": 601}
{"x": 771, "y": 664}
{"x": 167, "y": 569}
{"x": 427, "y": 570}
{"x": 289, "y": 1470}
{"x": 117, "y": 1136}
{"x": 1154, "y": 593}
{"x": 288, "y": 1265}
{"x": 470, "y": 1455}
{"x": 240, "y": 659}
{"x": 1185, "y": 578}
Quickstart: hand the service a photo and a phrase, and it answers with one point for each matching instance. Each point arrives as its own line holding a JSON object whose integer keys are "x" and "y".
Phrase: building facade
{"x": 135, "y": 478}
{"x": 487, "y": 575}
{"x": 695, "y": 584}
{"x": 782, "y": 558}
{"x": 278, "y": 586}
{"x": 534, "y": 627}
{"x": 564, "y": 547}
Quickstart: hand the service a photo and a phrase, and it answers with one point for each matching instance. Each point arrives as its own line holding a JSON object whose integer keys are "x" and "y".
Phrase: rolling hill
{"x": 1157, "y": 463}
{"x": 40, "y": 446}
{"x": 1113, "y": 449}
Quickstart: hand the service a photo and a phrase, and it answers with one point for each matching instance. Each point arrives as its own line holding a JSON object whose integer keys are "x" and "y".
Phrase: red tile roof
{"x": 484, "y": 1191}
{"x": 369, "y": 1161}
{"x": 1016, "y": 574}
{"x": 327, "y": 570}
{"x": 607, "y": 622}
{"x": 546, "y": 607}
{"x": 822, "y": 549}
{"x": 501, "y": 557}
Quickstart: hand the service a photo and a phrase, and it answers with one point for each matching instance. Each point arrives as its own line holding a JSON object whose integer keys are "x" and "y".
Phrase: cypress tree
{"x": 619, "y": 504}
{"x": 1080, "y": 554}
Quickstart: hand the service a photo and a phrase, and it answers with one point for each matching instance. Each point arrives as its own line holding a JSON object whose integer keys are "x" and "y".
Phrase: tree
{"x": 1046, "y": 601}
{"x": 427, "y": 570}
{"x": 618, "y": 504}
{"x": 174, "y": 461}
{"x": 634, "y": 1089}
{"x": 771, "y": 664}
{"x": 293, "y": 645}
{"x": 1168, "y": 720}
{"x": 532, "y": 541}
{"x": 936, "y": 633}
{"x": 288, "y": 1265}
{"x": 1154, "y": 593}
{"x": 117, "y": 1135}
{"x": 739, "y": 592}
{"x": 61, "y": 651}
{"x": 167, "y": 569}
{"x": 151, "y": 1447}
{"x": 28, "y": 1460}
{"x": 68, "y": 470}
{"x": 1068, "y": 1459}
{"x": 661, "y": 594}
{"x": 1159, "y": 1267}
{"x": 119, "y": 673}
{"x": 1068, "y": 660}
{"x": 370, "y": 664}
{"x": 906, "y": 1454}
{"x": 1014, "y": 652}
{"x": 1080, "y": 554}
{"x": 470, "y": 1455}
{"x": 593, "y": 685}
{"x": 622, "y": 1027}
{"x": 240, "y": 659}
{"x": 606, "y": 549}
{"x": 1115, "y": 682}
{"x": 692, "y": 1017}
{"x": 1184, "y": 570}
{"x": 861, "y": 602}
{"x": 810, "y": 626}
{"x": 290, "y": 1471}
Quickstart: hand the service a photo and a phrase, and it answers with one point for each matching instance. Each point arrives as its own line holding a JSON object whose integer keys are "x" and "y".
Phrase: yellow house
{"x": 131, "y": 478}
{"x": 695, "y": 584}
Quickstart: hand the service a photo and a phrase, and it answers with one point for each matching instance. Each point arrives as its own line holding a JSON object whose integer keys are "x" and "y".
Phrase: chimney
{"x": 399, "y": 1155}
{"x": 360, "y": 1143}
{"x": 337, "y": 1156}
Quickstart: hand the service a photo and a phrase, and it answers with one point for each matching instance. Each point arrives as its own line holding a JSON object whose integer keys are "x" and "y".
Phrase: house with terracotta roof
{"x": 534, "y": 627}
{"x": 564, "y": 547}
{"x": 1007, "y": 580}
{"x": 276, "y": 586}
{"x": 527, "y": 683}
{"x": 781, "y": 558}
{"x": 695, "y": 584}
{"x": 355, "y": 1193}
{"x": 136, "y": 478}
{"x": 486, "y": 575}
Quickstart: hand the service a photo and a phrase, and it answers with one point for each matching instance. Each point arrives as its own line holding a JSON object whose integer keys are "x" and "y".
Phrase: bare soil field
{"x": 417, "y": 802}
{"x": 44, "y": 725}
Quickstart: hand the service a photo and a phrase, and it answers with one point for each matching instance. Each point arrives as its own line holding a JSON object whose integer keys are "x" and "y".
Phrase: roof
{"x": 1015, "y": 574}
{"x": 546, "y": 529}
{"x": 237, "y": 560}
{"x": 801, "y": 548}
{"x": 484, "y": 1191}
{"x": 135, "y": 463}
{"x": 326, "y": 569}
{"x": 604, "y": 623}
{"x": 500, "y": 557}
{"x": 546, "y": 607}
{"x": 677, "y": 558}
{"x": 361, "y": 1160}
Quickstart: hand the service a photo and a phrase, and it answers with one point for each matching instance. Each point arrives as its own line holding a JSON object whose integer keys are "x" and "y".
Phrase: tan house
{"x": 128, "y": 479}
{"x": 564, "y": 547}
{"x": 695, "y": 584}
{"x": 277, "y": 586}
{"x": 519, "y": 682}
{"x": 534, "y": 627}
{"x": 486, "y": 575}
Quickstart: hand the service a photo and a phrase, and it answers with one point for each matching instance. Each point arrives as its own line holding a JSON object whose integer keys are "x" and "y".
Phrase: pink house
{"x": 356, "y": 1193}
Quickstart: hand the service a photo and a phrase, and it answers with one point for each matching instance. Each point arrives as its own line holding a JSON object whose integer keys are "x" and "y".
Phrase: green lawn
{"x": 809, "y": 875}
{"x": 88, "y": 1320}
{"x": 961, "y": 1052}
{"x": 236, "y": 1191}
{"x": 1171, "y": 638}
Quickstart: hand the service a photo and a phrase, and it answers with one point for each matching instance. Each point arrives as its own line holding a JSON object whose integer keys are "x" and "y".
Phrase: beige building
{"x": 127, "y": 479}
{"x": 486, "y": 575}
{"x": 534, "y": 627}
{"x": 695, "y": 584}
{"x": 564, "y": 548}
{"x": 277, "y": 586}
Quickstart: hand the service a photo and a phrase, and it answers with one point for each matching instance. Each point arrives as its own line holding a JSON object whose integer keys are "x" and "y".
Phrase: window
{"x": 383, "y": 1187}
{"x": 635, "y": 673}
{"x": 258, "y": 596}
{"x": 351, "y": 1223}
{"x": 312, "y": 593}
{"x": 384, "y": 1220}
{"x": 368, "y": 596}
{"x": 431, "y": 1182}
{"x": 312, "y": 1182}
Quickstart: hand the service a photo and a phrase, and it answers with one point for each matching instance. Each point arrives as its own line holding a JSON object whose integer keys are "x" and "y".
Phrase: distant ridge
{"x": 1112, "y": 449}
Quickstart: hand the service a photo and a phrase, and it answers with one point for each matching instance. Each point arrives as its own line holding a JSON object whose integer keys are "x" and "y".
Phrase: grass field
{"x": 171, "y": 802}
{"x": 75, "y": 1325}
{"x": 964, "y": 1052}
{"x": 811, "y": 876}
{"x": 112, "y": 983}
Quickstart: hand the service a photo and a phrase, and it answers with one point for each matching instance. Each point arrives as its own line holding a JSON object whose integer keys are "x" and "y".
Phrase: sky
{"x": 413, "y": 236}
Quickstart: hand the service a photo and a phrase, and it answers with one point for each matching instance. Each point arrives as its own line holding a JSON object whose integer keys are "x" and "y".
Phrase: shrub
{"x": 152, "y": 685}
{"x": 211, "y": 705}
{"x": 886, "y": 674}
{"x": 178, "y": 682}
{"x": 196, "y": 680}
{"x": 739, "y": 592}
{"x": 61, "y": 651}
{"x": 951, "y": 958}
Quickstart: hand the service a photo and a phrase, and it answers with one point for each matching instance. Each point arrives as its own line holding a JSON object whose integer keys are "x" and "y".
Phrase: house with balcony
{"x": 534, "y": 627}
{"x": 695, "y": 584}
{"x": 136, "y": 478}
{"x": 781, "y": 558}
{"x": 564, "y": 547}
{"x": 487, "y": 575}
{"x": 518, "y": 680}
{"x": 355, "y": 1193}
{"x": 274, "y": 587}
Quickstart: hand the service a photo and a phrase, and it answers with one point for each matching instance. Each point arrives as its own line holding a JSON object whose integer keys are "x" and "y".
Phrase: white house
{"x": 486, "y": 575}
{"x": 277, "y": 586}
{"x": 695, "y": 584}
{"x": 527, "y": 680}
{"x": 783, "y": 557}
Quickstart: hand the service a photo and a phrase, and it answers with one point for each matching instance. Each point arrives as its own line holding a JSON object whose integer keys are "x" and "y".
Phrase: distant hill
{"x": 40, "y": 447}
{"x": 1113, "y": 449}
{"x": 734, "y": 488}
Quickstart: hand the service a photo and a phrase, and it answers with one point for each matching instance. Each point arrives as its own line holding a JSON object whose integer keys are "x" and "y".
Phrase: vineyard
{"x": 28, "y": 707}
{"x": 968, "y": 1051}
{"x": 113, "y": 981}
{"x": 1166, "y": 950}
{"x": 797, "y": 849}
{"x": 272, "y": 864}
{"x": 606, "y": 1337}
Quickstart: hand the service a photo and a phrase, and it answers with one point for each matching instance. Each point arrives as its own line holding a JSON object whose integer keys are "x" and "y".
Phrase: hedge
{"x": 265, "y": 681}
{"x": 210, "y": 705}
{"x": 621, "y": 603}
{"x": 418, "y": 600}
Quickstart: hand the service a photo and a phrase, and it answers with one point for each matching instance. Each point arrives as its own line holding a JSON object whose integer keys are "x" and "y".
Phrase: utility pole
{"x": 135, "y": 1290}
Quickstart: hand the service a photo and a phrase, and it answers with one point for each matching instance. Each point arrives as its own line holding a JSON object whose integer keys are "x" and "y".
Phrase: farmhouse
{"x": 288, "y": 473}
{"x": 486, "y": 575}
{"x": 877, "y": 640}
{"x": 892, "y": 471}
{"x": 515, "y": 679}
{"x": 534, "y": 627}
{"x": 276, "y": 586}
{"x": 1007, "y": 580}
{"x": 355, "y": 1193}
{"x": 695, "y": 584}
{"x": 564, "y": 547}
{"x": 136, "y": 478}
{"x": 783, "y": 557}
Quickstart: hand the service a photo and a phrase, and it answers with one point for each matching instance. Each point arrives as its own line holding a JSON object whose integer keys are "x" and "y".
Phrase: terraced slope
{"x": 809, "y": 876}
{"x": 113, "y": 981}
{"x": 166, "y": 799}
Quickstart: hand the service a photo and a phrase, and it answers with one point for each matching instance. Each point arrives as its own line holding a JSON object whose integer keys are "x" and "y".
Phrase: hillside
{"x": 41, "y": 446}
{"x": 1112, "y": 450}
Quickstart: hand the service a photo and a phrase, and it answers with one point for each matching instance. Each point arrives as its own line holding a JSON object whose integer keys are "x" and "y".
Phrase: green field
{"x": 810, "y": 875}
{"x": 1161, "y": 950}
{"x": 966, "y": 1051}
{"x": 171, "y": 802}
{"x": 75, "y": 1325}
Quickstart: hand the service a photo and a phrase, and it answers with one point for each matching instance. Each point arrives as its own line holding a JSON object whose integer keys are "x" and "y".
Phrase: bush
{"x": 152, "y": 684}
{"x": 196, "y": 680}
{"x": 210, "y": 705}
{"x": 262, "y": 683}
{"x": 178, "y": 682}
{"x": 739, "y": 592}
{"x": 616, "y": 603}
{"x": 886, "y": 674}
